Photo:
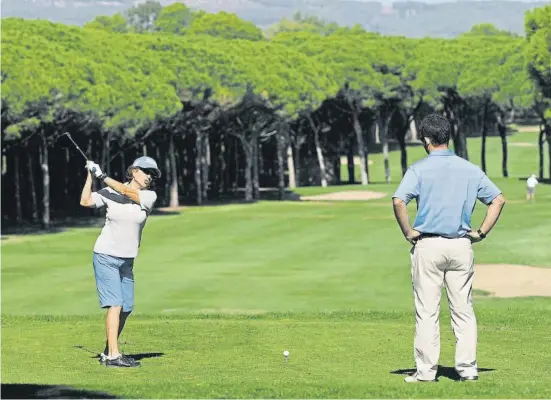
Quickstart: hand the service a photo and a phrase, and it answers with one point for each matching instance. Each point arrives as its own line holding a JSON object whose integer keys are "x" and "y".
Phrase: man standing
{"x": 531, "y": 187}
{"x": 446, "y": 188}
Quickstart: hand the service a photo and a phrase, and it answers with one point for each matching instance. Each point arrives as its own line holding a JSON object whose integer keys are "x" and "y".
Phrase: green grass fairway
{"x": 222, "y": 291}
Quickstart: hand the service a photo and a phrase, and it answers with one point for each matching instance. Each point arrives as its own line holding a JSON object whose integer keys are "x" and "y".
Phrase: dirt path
{"x": 505, "y": 280}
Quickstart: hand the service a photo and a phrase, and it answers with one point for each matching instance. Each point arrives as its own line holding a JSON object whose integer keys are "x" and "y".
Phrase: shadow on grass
{"x": 446, "y": 372}
{"x": 141, "y": 356}
{"x": 137, "y": 356}
{"x": 62, "y": 224}
{"x": 35, "y": 391}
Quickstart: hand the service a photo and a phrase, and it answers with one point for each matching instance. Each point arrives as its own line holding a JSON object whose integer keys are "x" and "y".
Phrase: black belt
{"x": 434, "y": 235}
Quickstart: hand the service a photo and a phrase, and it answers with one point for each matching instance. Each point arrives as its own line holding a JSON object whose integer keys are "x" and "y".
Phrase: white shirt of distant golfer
{"x": 531, "y": 182}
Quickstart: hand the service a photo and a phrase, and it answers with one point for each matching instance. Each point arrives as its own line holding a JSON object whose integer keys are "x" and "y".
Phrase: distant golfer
{"x": 128, "y": 206}
{"x": 446, "y": 188}
{"x": 531, "y": 184}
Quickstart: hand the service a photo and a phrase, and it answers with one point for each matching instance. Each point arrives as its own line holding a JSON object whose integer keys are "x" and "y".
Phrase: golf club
{"x": 76, "y": 145}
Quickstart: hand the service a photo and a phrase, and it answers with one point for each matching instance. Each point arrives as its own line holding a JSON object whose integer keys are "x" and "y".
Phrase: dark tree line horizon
{"x": 223, "y": 121}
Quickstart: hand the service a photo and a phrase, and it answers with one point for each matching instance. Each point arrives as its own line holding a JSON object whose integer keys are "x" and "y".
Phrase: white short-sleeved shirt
{"x": 531, "y": 182}
{"x": 124, "y": 221}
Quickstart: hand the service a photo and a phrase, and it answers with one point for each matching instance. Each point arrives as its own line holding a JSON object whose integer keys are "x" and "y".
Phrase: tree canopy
{"x": 226, "y": 107}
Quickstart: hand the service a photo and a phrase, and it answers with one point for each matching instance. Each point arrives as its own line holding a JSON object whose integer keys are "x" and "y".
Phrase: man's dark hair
{"x": 436, "y": 128}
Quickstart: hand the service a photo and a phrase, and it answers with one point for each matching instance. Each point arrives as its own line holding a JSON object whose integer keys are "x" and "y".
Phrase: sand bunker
{"x": 505, "y": 280}
{"x": 522, "y": 144}
{"x": 347, "y": 195}
{"x": 528, "y": 128}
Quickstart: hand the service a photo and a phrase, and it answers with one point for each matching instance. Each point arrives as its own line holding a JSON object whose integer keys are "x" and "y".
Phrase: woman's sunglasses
{"x": 151, "y": 172}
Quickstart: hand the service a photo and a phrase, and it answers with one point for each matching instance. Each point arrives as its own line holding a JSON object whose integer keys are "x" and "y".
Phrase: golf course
{"x": 223, "y": 290}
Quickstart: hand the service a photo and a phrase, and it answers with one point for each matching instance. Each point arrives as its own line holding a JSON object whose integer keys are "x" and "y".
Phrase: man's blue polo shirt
{"x": 446, "y": 188}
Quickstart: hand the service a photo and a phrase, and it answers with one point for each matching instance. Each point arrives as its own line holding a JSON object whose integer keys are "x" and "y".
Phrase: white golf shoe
{"x": 415, "y": 379}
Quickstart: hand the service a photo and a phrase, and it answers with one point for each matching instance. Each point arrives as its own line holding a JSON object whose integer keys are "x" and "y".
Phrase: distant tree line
{"x": 408, "y": 18}
{"x": 223, "y": 108}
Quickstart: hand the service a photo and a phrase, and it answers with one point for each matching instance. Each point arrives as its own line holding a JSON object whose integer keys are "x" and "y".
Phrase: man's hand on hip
{"x": 413, "y": 236}
{"x": 474, "y": 236}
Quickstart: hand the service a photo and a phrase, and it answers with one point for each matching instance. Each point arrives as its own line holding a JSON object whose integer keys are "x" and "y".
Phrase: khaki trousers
{"x": 436, "y": 262}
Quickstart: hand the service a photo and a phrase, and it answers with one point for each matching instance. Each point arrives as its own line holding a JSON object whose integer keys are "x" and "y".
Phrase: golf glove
{"x": 95, "y": 169}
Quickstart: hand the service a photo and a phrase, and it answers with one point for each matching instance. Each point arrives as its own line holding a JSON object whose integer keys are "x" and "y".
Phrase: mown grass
{"x": 221, "y": 291}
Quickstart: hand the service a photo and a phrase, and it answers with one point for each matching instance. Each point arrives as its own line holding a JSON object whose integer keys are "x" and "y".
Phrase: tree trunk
{"x": 512, "y": 115}
{"x": 413, "y": 129}
{"x": 45, "y": 182}
{"x": 540, "y": 148}
{"x": 385, "y": 121}
{"x": 463, "y": 140}
{"x": 401, "y": 137}
{"x": 224, "y": 177}
{"x": 248, "y": 173}
{"x": 502, "y": 129}
{"x": 350, "y": 163}
{"x": 291, "y": 167}
{"x": 32, "y": 186}
{"x": 366, "y": 165}
{"x": 105, "y": 155}
{"x": 198, "y": 156}
{"x": 321, "y": 161}
{"x": 123, "y": 167}
{"x": 458, "y": 142}
{"x": 167, "y": 187}
{"x": 280, "y": 164}
{"x": 297, "y": 163}
{"x": 483, "y": 149}
{"x": 105, "y": 164}
{"x": 255, "y": 156}
{"x": 18, "y": 210}
{"x": 377, "y": 133}
{"x": 362, "y": 149}
{"x": 319, "y": 152}
{"x": 174, "y": 196}
{"x": 548, "y": 137}
{"x": 205, "y": 161}
{"x": 236, "y": 159}
{"x": 337, "y": 168}
{"x": 484, "y": 134}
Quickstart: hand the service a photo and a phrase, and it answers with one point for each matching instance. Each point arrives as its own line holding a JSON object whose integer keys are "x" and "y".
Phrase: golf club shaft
{"x": 76, "y": 145}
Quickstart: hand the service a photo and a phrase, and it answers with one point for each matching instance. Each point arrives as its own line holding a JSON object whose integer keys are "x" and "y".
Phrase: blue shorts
{"x": 114, "y": 281}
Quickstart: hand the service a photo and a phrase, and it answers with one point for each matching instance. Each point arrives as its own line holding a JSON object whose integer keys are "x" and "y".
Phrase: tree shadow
{"x": 56, "y": 226}
{"x": 60, "y": 225}
{"x": 446, "y": 372}
{"x": 545, "y": 181}
{"x": 35, "y": 391}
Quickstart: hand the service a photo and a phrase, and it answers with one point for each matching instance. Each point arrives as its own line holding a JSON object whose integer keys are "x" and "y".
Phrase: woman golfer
{"x": 128, "y": 206}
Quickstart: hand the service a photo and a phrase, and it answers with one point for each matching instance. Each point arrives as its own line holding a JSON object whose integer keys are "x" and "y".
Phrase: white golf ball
{"x": 286, "y": 353}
